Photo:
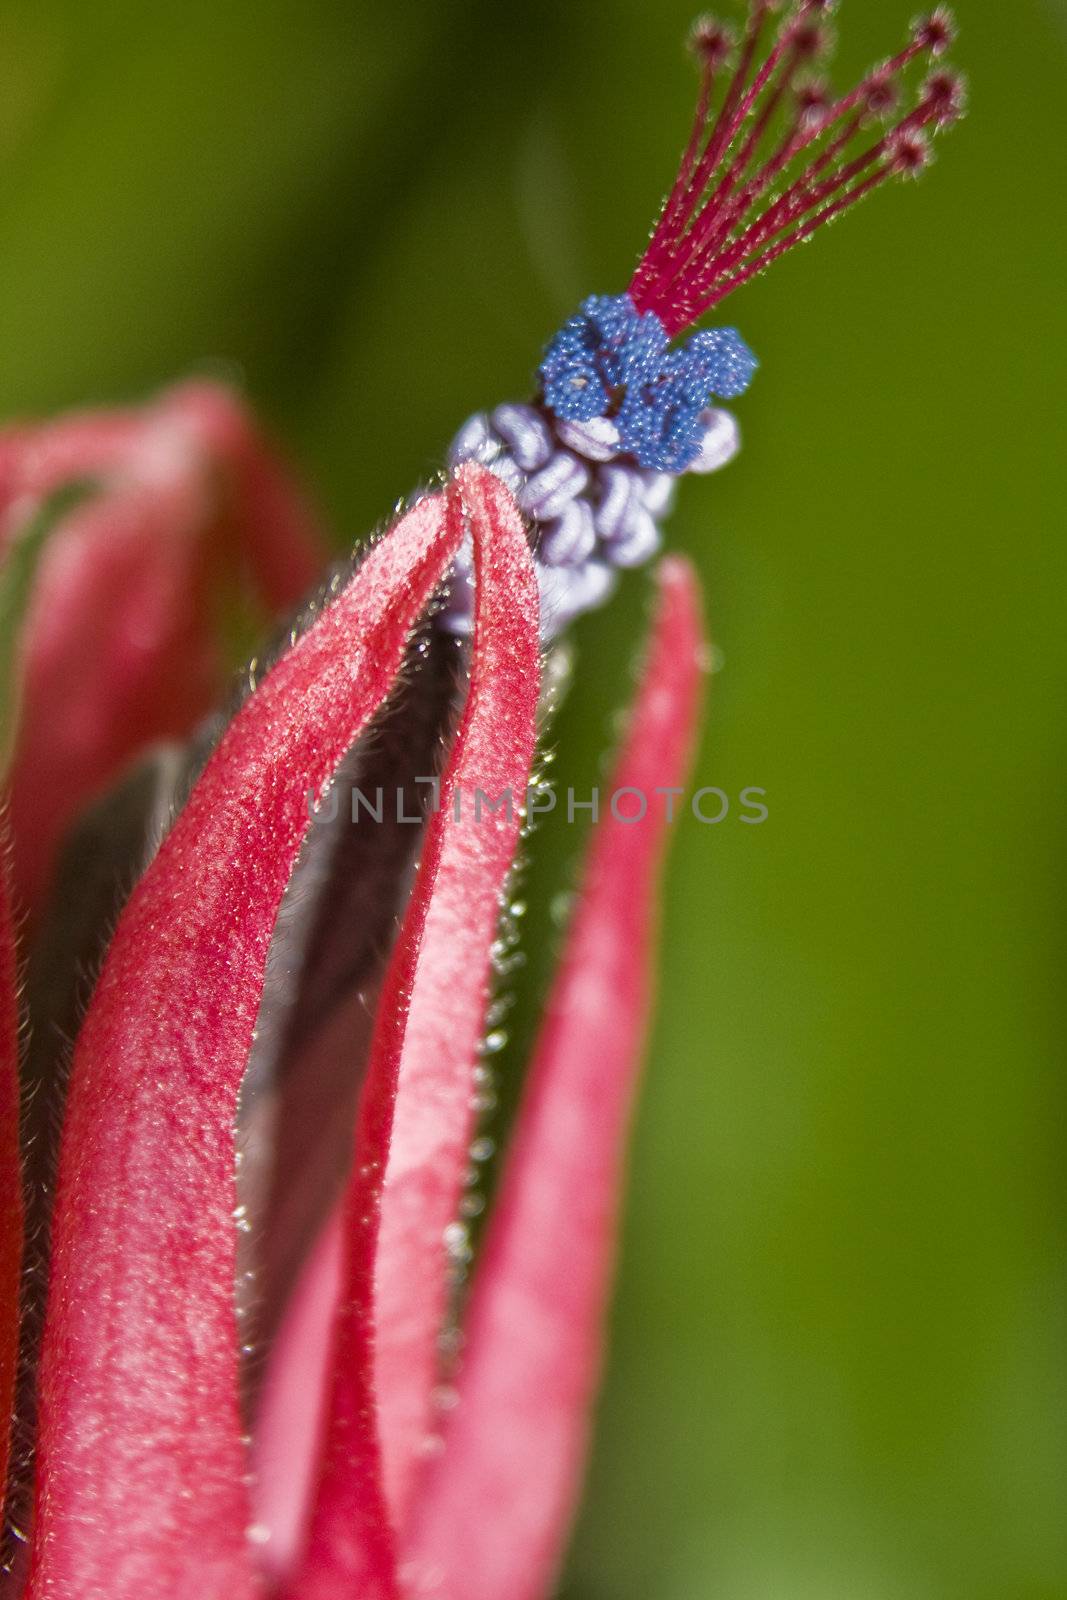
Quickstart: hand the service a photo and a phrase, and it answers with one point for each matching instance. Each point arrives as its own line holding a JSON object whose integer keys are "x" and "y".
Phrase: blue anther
{"x": 609, "y": 352}
{"x": 725, "y": 360}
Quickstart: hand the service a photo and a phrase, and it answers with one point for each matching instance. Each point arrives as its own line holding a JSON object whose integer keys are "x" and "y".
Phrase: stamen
{"x": 910, "y": 153}
{"x": 722, "y": 221}
{"x": 937, "y": 33}
{"x": 905, "y": 151}
{"x": 621, "y": 412}
{"x": 803, "y": 42}
{"x": 712, "y": 44}
{"x": 695, "y": 173}
{"x": 812, "y": 101}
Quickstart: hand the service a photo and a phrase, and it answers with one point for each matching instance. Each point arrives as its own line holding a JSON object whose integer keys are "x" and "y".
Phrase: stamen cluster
{"x": 592, "y": 507}
{"x": 621, "y": 413}
{"x": 612, "y": 360}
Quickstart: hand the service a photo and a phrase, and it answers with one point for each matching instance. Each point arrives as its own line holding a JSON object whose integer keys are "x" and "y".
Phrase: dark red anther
{"x": 711, "y": 42}
{"x": 937, "y": 32}
{"x": 812, "y": 100}
{"x": 910, "y": 153}
{"x": 883, "y": 96}
{"x": 810, "y": 40}
{"x": 944, "y": 93}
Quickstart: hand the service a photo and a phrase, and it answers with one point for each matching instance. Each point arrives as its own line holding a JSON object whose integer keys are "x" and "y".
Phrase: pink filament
{"x": 722, "y": 223}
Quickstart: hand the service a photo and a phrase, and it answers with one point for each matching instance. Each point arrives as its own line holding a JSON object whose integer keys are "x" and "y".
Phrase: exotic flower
{"x": 253, "y": 1376}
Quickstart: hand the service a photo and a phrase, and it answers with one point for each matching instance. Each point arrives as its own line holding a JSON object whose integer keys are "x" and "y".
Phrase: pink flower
{"x": 347, "y": 1472}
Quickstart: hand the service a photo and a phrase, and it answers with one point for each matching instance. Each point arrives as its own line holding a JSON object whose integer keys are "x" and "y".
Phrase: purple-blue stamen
{"x": 610, "y": 362}
{"x": 622, "y": 412}
{"x": 548, "y": 493}
{"x": 596, "y": 440}
{"x": 571, "y": 539}
{"x": 621, "y": 497}
{"x": 639, "y": 544}
{"x": 526, "y": 434}
{"x": 593, "y": 506}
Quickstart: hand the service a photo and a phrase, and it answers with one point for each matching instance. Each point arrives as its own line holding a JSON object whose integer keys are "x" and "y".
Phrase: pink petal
{"x": 496, "y": 1506}
{"x": 270, "y": 519}
{"x": 116, "y": 651}
{"x": 36, "y": 459}
{"x": 119, "y": 640}
{"x": 415, "y": 1118}
{"x": 10, "y": 1172}
{"x": 272, "y": 524}
{"x": 142, "y": 1465}
{"x": 292, "y": 1410}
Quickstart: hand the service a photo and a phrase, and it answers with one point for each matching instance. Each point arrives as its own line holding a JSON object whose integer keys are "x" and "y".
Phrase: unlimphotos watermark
{"x": 709, "y": 805}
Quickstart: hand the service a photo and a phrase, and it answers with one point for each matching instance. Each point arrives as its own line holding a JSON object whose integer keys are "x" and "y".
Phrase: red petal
{"x": 496, "y": 1506}
{"x": 142, "y": 1464}
{"x": 272, "y": 524}
{"x": 291, "y": 1415}
{"x": 119, "y": 644}
{"x": 37, "y": 459}
{"x": 415, "y": 1118}
{"x": 116, "y": 650}
{"x": 10, "y": 1173}
{"x": 271, "y": 521}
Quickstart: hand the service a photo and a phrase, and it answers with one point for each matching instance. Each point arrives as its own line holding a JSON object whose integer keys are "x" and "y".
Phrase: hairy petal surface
{"x": 496, "y": 1505}
{"x": 142, "y": 1467}
{"x": 271, "y": 522}
{"x": 415, "y": 1116}
{"x": 10, "y": 1172}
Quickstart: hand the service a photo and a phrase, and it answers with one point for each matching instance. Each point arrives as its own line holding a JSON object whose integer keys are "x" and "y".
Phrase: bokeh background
{"x": 840, "y": 1337}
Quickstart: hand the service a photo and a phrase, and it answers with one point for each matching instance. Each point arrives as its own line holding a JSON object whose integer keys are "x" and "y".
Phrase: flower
{"x": 142, "y": 1464}
{"x": 355, "y": 1462}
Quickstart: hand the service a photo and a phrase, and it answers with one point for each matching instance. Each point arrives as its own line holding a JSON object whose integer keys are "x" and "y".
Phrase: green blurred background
{"x": 840, "y": 1336}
